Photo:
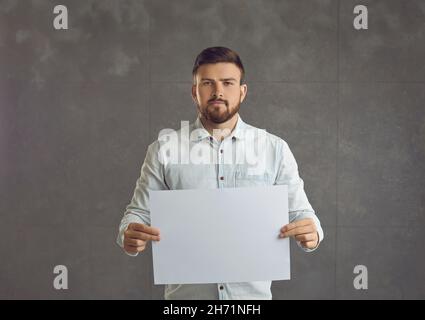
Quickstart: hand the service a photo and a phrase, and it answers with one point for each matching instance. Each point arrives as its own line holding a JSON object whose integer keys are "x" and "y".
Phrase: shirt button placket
{"x": 220, "y": 166}
{"x": 221, "y": 291}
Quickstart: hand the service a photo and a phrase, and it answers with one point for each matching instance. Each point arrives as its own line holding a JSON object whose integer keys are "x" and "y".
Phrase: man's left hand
{"x": 303, "y": 230}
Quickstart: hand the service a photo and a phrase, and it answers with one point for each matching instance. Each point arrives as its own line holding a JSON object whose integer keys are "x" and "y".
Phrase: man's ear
{"x": 194, "y": 93}
{"x": 244, "y": 90}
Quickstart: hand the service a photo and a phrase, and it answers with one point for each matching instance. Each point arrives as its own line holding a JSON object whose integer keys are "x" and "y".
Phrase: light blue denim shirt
{"x": 232, "y": 162}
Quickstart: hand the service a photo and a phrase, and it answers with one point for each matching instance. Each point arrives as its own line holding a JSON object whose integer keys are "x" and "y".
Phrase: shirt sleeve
{"x": 298, "y": 204}
{"x": 151, "y": 178}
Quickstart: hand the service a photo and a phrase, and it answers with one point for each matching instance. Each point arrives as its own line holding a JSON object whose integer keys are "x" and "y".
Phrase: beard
{"x": 219, "y": 113}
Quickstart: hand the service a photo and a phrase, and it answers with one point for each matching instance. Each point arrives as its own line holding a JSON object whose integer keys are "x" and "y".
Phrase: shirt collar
{"x": 202, "y": 133}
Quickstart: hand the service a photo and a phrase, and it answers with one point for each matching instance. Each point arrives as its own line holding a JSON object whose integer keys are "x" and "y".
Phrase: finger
{"x": 134, "y": 242}
{"x": 147, "y": 237}
{"x": 141, "y": 235}
{"x": 131, "y": 250}
{"x": 299, "y": 231}
{"x": 297, "y": 223}
{"x": 140, "y": 249}
{"x": 309, "y": 244}
{"x": 306, "y": 237}
{"x": 145, "y": 228}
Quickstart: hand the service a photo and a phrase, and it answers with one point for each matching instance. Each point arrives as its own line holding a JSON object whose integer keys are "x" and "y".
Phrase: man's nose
{"x": 218, "y": 93}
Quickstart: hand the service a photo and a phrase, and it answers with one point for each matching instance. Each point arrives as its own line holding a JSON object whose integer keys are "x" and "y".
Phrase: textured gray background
{"x": 79, "y": 107}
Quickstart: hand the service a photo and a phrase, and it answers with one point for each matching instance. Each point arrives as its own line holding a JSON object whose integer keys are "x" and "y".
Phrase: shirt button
{"x": 221, "y": 288}
{"x": 221, "y": 178}
{"x": 221, "y": 151}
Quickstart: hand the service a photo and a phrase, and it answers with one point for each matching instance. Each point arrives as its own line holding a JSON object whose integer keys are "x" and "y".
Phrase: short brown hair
{"x": 216, "y": 55}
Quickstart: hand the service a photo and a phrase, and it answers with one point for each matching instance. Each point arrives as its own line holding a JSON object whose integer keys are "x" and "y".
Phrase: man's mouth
{"x": 217, "y": 102}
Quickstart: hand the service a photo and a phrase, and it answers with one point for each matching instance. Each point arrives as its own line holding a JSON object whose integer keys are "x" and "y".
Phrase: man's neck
{"x": 220, "y": 130}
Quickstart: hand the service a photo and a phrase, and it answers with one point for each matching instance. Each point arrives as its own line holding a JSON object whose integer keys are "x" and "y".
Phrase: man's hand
{"x": 303, "y": 230}
{"x": 137, "y": 235}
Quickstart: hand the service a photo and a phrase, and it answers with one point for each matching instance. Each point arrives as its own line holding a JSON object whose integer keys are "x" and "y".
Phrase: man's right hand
{"x": 137, "y": 235}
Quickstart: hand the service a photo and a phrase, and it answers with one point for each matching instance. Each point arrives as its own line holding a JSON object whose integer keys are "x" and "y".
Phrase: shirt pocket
{"x": 243, "y": 178}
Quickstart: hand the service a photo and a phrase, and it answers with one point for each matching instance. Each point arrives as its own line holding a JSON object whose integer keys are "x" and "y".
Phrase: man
{"x": 218, "y": 90}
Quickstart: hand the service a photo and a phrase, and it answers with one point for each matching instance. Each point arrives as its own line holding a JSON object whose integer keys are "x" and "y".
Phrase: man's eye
{"x": 227, "y": 83}
{"x": 207, "y": 83}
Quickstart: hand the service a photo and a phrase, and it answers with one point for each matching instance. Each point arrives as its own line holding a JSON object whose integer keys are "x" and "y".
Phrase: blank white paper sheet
{"x": 220, "y": 235}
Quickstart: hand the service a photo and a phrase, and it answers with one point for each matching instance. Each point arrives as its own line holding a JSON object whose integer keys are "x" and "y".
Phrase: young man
{"x": 218, "y": 90}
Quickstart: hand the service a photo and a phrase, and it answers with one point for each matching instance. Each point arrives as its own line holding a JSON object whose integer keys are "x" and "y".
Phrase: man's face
{"x": 217, "y": 91}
